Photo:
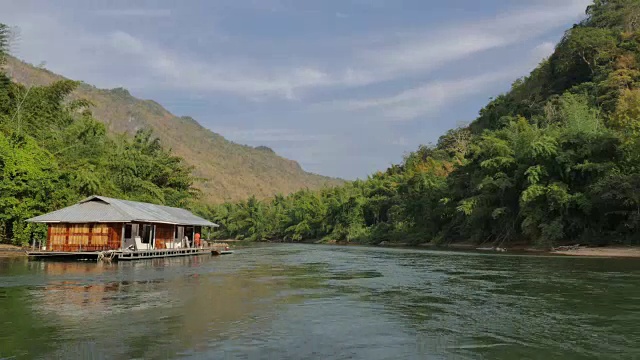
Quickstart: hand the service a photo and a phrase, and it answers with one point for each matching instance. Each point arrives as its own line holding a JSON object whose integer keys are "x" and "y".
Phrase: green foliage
{"x": 53, "y": 153}
{"x": 626, "y": 117}
{"x": 585, "y": 51}
{"x": 621, "y": 15}
{"x": 29, "y": 180}
{"x": 224, "y": 170}
{"x": 554, "y": 160}
{"x": 5, "y": 33}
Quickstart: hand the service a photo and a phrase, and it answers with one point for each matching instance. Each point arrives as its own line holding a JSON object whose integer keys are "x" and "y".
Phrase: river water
{"x": 323, "y": 302}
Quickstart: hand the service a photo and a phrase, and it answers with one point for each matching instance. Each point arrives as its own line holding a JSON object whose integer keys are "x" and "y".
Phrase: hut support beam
{"x": 122, "y": 238}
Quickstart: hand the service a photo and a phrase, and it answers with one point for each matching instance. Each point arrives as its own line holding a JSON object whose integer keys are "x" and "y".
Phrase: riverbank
{"x": 11, "y": 251}
{"x": 605, "y": 251}
{"x": 608, "y": 251}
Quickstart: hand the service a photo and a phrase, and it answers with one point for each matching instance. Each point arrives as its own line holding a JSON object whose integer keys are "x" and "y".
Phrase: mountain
{"x": 229, "y": 171}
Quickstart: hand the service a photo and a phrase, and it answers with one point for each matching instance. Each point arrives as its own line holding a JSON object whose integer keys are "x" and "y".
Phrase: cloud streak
{"x": 347, "y": 103}
{"x": 431, "y": 97}
{"x": 396, "y": 57}
{"x": 134, "y": 12}
{"x": 425, "y": 51}
{"x": 269, "y": 135}
{"x": 233, "y": 76}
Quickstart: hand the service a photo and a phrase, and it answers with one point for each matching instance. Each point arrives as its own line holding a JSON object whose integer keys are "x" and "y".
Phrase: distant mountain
{"x": 229, "y": 171}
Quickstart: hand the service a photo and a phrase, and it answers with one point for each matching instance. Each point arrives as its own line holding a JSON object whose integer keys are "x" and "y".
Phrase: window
{"x": 100, "y": 235}
{"x": 188, "y": 232}
{"x": 146, "y": 234}
{"x": 58, "y": 234}
{"x": 127, "y": 231}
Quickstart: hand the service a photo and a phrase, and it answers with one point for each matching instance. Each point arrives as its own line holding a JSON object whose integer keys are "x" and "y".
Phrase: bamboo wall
{"x": 164, "y": 235}
{"x": 84, "y": 237}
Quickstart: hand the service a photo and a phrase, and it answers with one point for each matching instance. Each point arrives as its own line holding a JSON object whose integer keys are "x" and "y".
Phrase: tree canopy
{"x": 554, "y": 160}
{"x": 54, "y": 153}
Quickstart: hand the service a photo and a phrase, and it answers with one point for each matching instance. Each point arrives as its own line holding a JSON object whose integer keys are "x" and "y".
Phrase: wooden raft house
{"x": 99, "y": 227}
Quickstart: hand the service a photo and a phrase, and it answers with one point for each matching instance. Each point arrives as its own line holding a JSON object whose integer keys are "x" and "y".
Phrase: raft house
{"x": 102, "y": 228}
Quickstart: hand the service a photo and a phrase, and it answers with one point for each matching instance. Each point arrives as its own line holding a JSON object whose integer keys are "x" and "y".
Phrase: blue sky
{"x": 345, "y": 87}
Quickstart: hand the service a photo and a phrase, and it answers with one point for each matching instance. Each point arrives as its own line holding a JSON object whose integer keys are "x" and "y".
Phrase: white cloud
{"x": 261, "y": 136}
{"x": 233, "y": 76}
{"x": 420, "y": 52}
{"x": 431, "y": 97}
{"x": 426, "y": 51}
{"x": 401, "y": 141}
{"x": 544, "y": 50}
{"x": 368, "y": 133}
{"x": 395, "y": 57}
{"x": 428, "y": 98}
{"x": 127, "y": 43}
{"x": 154, "y": 13}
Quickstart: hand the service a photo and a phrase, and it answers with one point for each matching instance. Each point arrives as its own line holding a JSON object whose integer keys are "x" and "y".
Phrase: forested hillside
{"x": 554, "y": 160}
{"x": 53, "y": 152}
{"x": 224, "y": 171}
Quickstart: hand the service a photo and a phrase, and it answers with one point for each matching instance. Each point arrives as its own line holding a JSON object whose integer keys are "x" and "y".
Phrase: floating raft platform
{"x": 125, "y": 255}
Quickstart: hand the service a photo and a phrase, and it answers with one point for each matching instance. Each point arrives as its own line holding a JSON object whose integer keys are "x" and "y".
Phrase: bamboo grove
{"x": 554, "y": 160}
{"x": 54, "y": 153}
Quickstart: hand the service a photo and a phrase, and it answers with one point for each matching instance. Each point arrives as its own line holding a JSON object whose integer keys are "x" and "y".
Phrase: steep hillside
{"x": 229, "y": 171}
{"x": 553, "y": 161}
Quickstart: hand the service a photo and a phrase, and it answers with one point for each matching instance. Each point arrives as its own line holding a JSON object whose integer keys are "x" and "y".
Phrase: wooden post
{"x": 152, "y": 241}
{"x": 85, "y": 226}
{"x": 49, "y": 241}
{"x": 122, "y": 239}
{"x": 66, "y": 239}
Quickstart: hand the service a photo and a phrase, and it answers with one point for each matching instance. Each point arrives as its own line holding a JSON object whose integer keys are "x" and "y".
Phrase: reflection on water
{"x": 319, "y": 302}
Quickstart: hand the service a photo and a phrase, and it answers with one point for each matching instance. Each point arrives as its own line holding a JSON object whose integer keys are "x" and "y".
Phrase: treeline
{"x": 554, "y": 160}
{"x": 54, "y": 153}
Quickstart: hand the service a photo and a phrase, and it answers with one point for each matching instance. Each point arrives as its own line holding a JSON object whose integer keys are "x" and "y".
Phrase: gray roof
{"x": 105, "y": 210}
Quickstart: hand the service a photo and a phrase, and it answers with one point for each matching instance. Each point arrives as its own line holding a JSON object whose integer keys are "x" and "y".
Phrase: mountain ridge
{"x": 228, "y": 171}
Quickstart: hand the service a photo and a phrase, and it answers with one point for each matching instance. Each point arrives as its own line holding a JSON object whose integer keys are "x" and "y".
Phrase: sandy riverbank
{"x": 608, "y": 251}
{"x": 605, "y": 251}
{"x": 11, "y": 251}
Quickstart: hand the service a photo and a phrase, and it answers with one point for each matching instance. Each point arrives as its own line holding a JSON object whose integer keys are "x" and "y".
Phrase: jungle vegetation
{"x": 554, "y": 160}
{"x": 53, "y": 152}
{"x": 224, "y": 170}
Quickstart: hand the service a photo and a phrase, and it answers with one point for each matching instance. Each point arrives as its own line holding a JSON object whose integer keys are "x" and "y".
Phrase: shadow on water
{"x": 317, "y": 302}
{"x": 145, "y": 309}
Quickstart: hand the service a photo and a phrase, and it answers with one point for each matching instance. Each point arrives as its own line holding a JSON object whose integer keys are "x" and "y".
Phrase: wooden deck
{"x": 124, "y": 255}
{"x": 162, "y": 253}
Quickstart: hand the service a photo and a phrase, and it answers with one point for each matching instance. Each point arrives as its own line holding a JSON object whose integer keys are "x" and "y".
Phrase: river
{"x": 323, "y": 302}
